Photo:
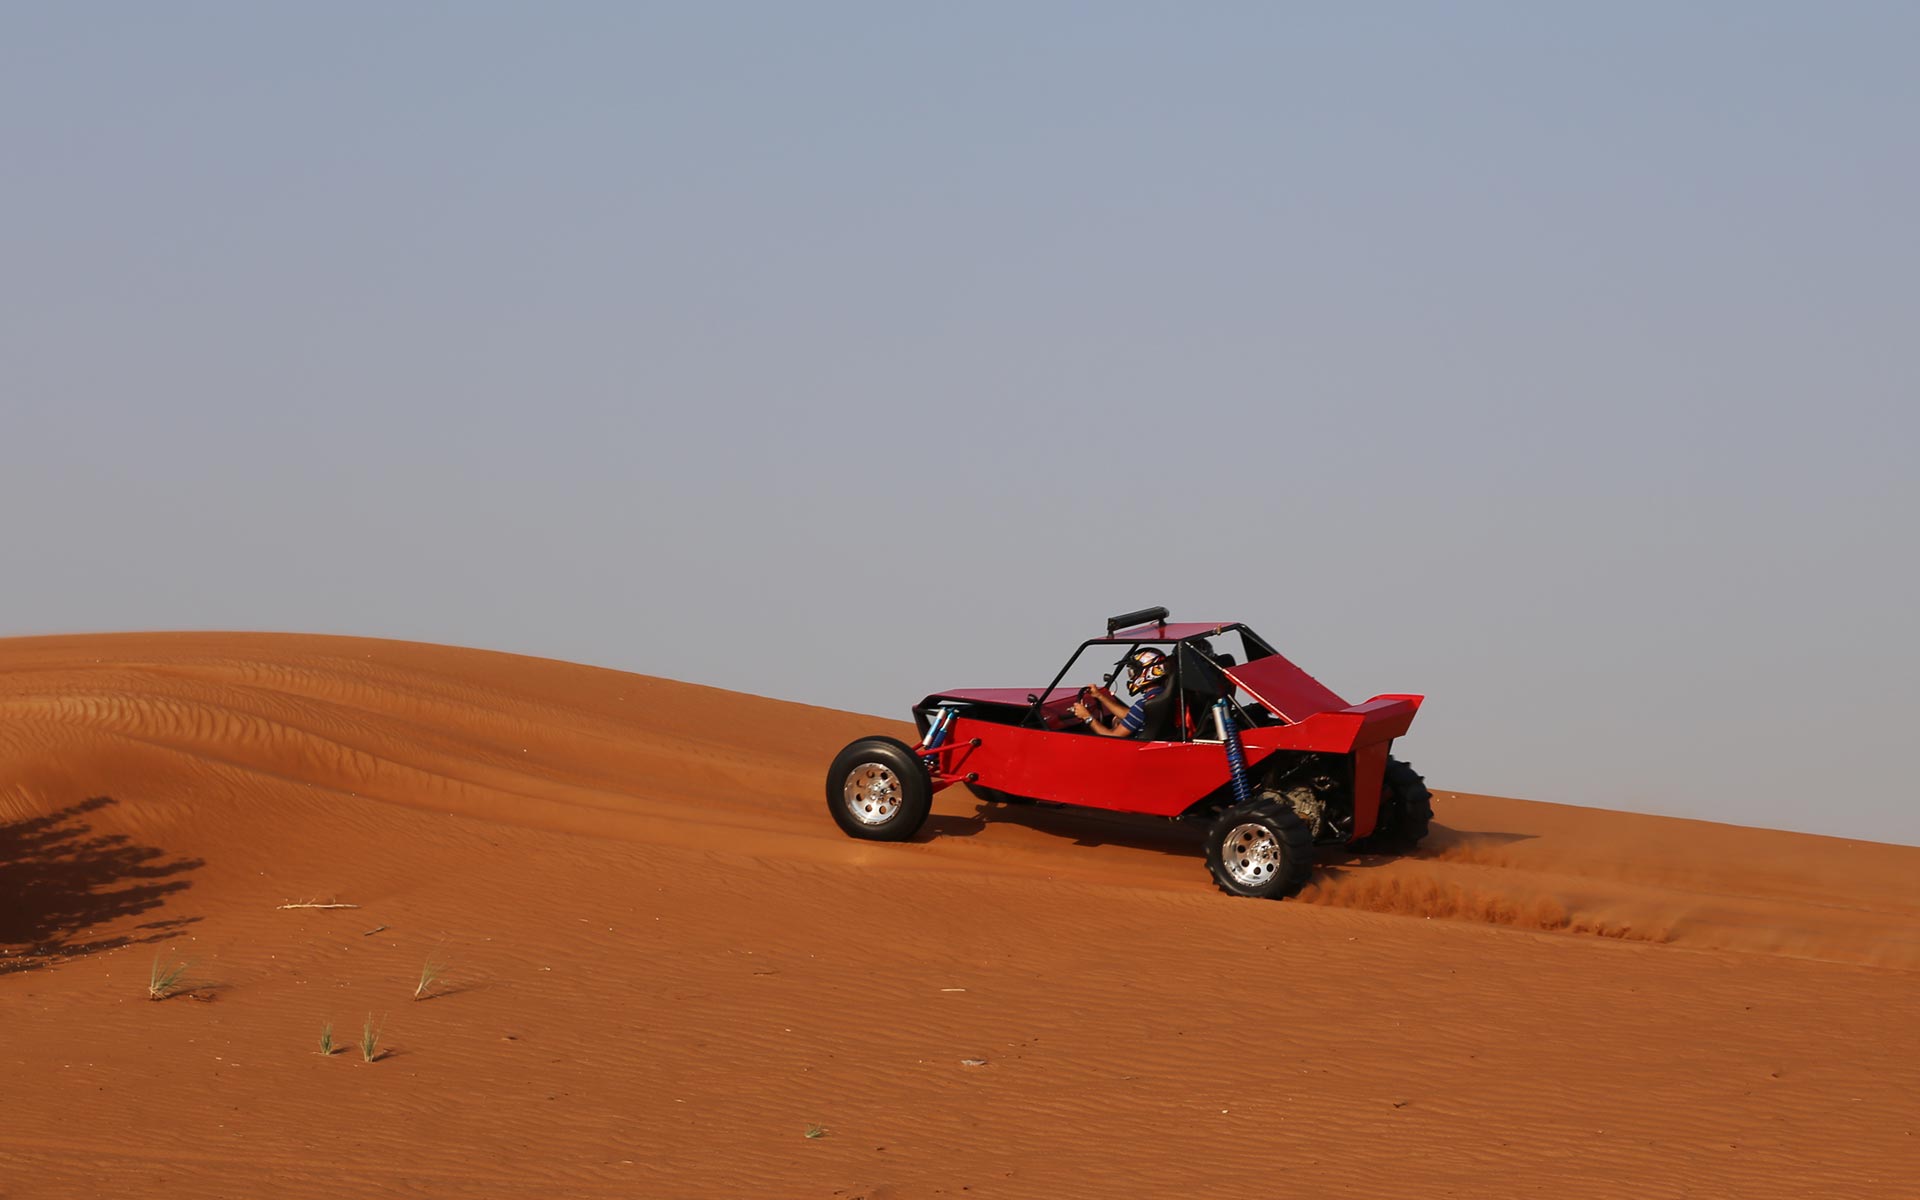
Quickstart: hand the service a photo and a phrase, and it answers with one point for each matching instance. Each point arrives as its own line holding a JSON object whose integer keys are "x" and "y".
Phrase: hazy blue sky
{"x": 1558, "y": 362}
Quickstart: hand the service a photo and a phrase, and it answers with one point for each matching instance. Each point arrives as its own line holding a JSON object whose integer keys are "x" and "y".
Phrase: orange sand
{"x": 665, "y": 965}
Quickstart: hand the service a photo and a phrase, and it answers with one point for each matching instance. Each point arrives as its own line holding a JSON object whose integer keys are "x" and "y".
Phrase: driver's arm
{"x": 1106, "y": 723}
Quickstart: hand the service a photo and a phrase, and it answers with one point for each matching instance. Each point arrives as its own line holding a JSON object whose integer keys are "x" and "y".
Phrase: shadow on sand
{"x": 60, "y": 882}
{"x": 1083, "y": 826}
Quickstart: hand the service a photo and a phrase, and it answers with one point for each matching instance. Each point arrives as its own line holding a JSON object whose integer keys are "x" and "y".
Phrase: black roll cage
{"x": 1248, "y": 638}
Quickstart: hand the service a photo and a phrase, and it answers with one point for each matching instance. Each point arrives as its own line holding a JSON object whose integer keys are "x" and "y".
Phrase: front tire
{"x": 878, "y": 790}
{"x": 1260, "y": 849}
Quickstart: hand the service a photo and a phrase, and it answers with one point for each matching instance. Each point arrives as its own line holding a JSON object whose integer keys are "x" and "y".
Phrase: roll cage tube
{"x": 1036, "y": 703}
{"x": 1255, "y": 647}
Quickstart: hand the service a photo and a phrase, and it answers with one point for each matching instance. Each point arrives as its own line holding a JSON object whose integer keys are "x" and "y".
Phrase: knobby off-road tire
{"x": 1260, "y": 849}
{"x": 1406, "y": 811}
{"x": 878, "y": 790}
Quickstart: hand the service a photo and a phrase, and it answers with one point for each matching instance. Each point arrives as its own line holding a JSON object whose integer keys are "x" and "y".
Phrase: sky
{"x": 1557, "y": 362}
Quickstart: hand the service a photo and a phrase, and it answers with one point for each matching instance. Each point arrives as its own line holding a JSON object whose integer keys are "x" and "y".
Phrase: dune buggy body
{"x": 1229, "y": 695}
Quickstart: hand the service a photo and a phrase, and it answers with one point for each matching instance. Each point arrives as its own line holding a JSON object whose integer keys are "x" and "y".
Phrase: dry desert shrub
{"x": 430, "y": 973}
{"x": 165, "y": 979}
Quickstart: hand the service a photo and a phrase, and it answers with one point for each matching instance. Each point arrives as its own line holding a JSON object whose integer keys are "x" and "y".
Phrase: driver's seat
{"x": 1158, "y": 714}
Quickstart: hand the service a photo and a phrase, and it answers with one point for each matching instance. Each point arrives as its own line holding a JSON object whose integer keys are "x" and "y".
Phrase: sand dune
{"x": 664, "y": 966}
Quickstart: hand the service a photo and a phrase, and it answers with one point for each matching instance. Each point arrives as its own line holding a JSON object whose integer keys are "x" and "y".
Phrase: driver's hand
{"x": 1078, "y": 710}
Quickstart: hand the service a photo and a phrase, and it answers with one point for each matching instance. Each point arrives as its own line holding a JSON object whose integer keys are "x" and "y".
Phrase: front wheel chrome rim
{"x": 1251, "y": 854}
{"x": 872, "y": 794}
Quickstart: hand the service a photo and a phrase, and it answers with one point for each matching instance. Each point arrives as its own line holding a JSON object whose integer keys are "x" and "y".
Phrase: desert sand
{"x": 661, "y": 968}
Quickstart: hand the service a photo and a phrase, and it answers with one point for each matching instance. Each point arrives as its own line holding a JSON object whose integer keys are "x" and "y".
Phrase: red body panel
{"x": 1166, "y": 778}
{"x": 1160, "y": 778}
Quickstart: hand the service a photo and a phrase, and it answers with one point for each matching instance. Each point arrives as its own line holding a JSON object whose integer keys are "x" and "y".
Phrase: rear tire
{"x": 1406, "y": 811}
{"x": 877, "y": 790}
{"x": 1261, "y": 850}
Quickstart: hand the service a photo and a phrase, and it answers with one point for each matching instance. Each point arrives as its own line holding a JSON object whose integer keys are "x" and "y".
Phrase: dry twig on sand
{"x": 313, "y": 904}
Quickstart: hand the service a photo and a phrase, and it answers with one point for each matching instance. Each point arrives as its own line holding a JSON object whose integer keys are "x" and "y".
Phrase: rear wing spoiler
{"x": 1383, "y": 718}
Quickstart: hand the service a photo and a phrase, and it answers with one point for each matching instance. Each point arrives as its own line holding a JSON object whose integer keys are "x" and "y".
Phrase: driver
{"x": 1103, "y": 712}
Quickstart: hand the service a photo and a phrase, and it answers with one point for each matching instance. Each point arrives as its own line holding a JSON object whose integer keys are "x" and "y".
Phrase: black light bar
{"x": 1128, "y": 620}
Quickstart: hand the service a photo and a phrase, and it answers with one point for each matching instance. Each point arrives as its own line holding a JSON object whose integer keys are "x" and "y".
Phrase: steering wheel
{"x": 1088, "y": 696}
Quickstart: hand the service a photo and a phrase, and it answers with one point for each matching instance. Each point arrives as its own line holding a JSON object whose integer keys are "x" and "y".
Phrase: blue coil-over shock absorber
{"x": 937, "y": 732}
{"x": 1236, "y": 757}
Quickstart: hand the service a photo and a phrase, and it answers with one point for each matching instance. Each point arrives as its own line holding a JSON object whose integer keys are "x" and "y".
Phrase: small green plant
{"x": 369, "y": 1041}
{"x": 816, "y": 1131}
{"x": 326, "y": 1040}
{"x": 164, "y": 980}
{"x": 430, "y": 973}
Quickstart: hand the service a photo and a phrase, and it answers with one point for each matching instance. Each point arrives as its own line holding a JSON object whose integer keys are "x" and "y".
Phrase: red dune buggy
{"x": 1236, "y": 737}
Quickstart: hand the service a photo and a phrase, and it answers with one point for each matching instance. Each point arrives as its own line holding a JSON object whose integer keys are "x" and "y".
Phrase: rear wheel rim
{"x": 1252, "y": 855}
{"x": 871, "y": 794}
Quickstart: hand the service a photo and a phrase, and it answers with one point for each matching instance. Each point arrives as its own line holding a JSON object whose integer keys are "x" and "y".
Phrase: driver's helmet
{"x": 1146, "y": 668}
